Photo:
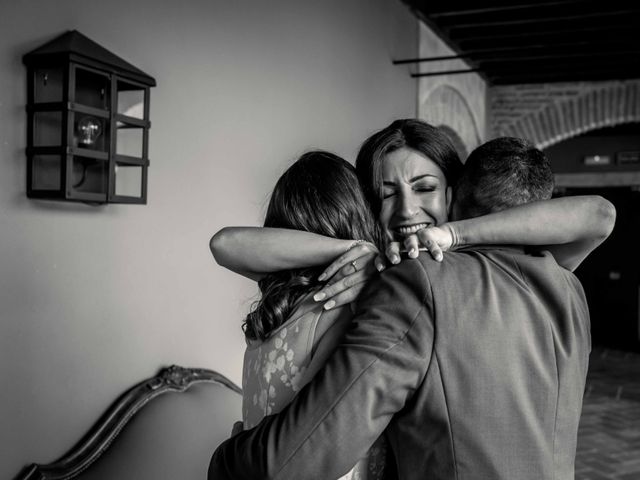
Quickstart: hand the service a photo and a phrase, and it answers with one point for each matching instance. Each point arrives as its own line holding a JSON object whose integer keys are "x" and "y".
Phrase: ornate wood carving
{"x": 114, "y": 419}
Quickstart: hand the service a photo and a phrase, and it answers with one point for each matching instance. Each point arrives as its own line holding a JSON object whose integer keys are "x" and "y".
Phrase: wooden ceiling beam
{"x": 558, "y": 65}
{"x": 579, "y": 70}
{"x": 440, "y": 73}
{"x": 450, "y": 43}
{"x": 436, "y": 15}
{"x": 624, "y": 36}
{"x": 563, "y": 19}
{"x": 531, "y": 52}
{"x": 537, "y": 34}
{"x": 522, "y": 41}
{"x": 532, "y": 77}
{"x": 556, "y": 56}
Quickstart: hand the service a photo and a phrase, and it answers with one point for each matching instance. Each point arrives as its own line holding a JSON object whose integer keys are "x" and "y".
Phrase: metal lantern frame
{"x": 92, "y": 81}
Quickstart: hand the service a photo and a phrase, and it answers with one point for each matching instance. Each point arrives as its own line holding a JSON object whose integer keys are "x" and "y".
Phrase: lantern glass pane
{"x": 90, "y": 132}
{"x": 129, "y": 180}
{"x": 92, "y": 89}
{"x": 129, "y": 140}
{"x": 130, "y": 100}
{"x": 45, "y": 173}
{"x": 47, "y": 85}
{"x": 47, "y": 129}
{"x": 89, "y": 175}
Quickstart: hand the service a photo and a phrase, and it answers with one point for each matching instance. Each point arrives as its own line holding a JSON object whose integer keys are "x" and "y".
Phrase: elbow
{"x": 218, "y": 245}
{"x": 606, "y": 216}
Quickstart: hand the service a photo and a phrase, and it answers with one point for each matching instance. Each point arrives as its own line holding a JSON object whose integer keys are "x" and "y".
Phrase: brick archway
{"x": 590, "y": 107}
{"x": 446, "y": 106}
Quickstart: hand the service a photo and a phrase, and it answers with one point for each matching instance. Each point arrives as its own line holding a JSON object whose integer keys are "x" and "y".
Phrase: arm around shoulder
{"x": 589, "y": 225}
{"x": 605, "y": 214}
{"x": 219, "y": 245}
{"x": 228, "y": 246}
{"x": 257, "y": 251}
{"x": 569, "y": 227}
{"x": 335, "y": 418}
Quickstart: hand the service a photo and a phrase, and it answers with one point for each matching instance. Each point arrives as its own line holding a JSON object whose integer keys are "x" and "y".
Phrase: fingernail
{"x": 380, "y": 267}
{"x": 395, "y": 259}
{"x": 319, "y": 296}
{"x": 322, "y": 277}
{"x": 329, "y": 305}
{"x": 439, "y": 257}
{"x": 413, "y": 253}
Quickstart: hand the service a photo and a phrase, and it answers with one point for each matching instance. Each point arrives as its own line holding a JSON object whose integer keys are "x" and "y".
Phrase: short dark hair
{"x": 500, "y": 174}
{"x": 410, "y": 133}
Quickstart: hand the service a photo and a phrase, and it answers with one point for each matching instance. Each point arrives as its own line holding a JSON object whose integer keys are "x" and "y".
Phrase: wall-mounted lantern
{"x": 87, "y": 123}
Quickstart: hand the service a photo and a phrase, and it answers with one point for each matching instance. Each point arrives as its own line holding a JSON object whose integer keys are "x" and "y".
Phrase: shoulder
{"x": 334, "y": 320}
{"x": 452, "y": 264}
{"x": 409, "y": 277}
{"x": 396, "y": 309}
{"x": 403, "y": 289}
{"x": 536, "y": 266}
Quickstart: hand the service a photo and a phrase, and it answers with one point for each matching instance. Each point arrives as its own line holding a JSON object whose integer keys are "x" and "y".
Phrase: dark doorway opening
{"x": 611, "y": 274}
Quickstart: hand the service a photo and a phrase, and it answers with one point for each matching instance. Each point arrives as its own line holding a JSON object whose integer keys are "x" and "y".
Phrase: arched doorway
{"x": 447, "y": 108}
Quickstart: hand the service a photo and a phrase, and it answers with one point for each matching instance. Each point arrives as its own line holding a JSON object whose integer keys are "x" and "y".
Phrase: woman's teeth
{"x": 410, "y": 230}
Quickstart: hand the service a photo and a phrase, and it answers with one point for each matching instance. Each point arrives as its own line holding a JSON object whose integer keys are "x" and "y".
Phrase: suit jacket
{"x": 474, "y": 366}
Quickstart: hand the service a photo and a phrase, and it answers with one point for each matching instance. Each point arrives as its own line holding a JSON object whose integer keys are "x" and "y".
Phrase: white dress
{"x": 276, "y": 368}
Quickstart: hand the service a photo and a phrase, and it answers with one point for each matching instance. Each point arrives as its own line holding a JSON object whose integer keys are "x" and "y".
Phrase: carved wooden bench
{"x": 195, "y": 422}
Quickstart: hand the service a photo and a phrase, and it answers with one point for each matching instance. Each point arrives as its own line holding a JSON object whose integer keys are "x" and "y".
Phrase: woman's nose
{"x": 408, "y": 207}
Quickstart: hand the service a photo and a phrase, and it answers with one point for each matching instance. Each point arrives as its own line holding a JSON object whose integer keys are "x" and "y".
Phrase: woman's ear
{"x": 449, "y": 198}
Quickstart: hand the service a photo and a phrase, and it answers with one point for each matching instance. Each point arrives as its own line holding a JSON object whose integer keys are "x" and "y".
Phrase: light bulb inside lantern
{"x": 89, "y": 129}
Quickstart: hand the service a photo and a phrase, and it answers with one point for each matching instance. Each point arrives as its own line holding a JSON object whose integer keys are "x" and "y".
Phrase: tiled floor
{"x": 609, "y": 435}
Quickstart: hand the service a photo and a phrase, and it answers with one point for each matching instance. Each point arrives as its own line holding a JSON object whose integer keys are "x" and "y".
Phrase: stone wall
{"x": 549, "y": 113}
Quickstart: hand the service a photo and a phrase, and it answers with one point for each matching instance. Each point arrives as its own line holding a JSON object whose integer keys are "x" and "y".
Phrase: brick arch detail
{"x": 599, "y": 107}
{"x": 445, "y": 105}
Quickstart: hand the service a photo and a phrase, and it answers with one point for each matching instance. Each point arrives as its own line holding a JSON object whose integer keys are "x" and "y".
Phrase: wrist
{"x": 454, "y": 232}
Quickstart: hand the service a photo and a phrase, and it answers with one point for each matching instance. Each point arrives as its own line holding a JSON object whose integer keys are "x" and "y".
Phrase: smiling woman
{"x": 390, "y": 162}
{"x": 415, "y": 194}
{"x": 407, "y": 170}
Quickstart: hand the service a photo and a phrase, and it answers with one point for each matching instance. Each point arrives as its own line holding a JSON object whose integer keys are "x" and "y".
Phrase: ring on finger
{"x": 354, "y": 265}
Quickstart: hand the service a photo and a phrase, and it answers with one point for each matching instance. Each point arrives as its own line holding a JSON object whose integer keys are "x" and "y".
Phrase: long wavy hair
{"x": 320, "y": 194}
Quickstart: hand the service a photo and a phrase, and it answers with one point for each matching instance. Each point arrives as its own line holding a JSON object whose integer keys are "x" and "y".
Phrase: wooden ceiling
{"x": 520, "y": 41}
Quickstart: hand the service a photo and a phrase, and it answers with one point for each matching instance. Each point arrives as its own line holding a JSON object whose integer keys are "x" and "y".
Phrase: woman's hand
{"x": 435, "y": 240}
{"x": 348, "y": 274}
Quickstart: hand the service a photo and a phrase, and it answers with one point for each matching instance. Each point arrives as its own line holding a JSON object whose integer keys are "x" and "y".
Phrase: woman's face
{"x": 414, "y": 194}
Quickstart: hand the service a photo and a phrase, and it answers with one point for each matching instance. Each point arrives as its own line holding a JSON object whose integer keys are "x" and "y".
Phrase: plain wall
{"x": 172, "y": 438}
{"x": 95, "y": 299}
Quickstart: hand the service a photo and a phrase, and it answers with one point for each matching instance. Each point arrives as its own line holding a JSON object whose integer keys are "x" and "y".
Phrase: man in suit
{"x": 475, "y": 366}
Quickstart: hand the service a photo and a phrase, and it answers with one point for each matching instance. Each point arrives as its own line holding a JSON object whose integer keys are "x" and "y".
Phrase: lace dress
{"x": 277, "y": 368}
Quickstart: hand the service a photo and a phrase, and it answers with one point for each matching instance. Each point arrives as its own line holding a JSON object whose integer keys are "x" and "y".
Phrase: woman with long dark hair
{"x": 289, "y": 335}
{"x": 318, "y": 194}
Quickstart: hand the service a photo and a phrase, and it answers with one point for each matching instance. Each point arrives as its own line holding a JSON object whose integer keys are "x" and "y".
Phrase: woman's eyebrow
{"x": 411, "y": 180}
{"x": 420, "y": 177}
